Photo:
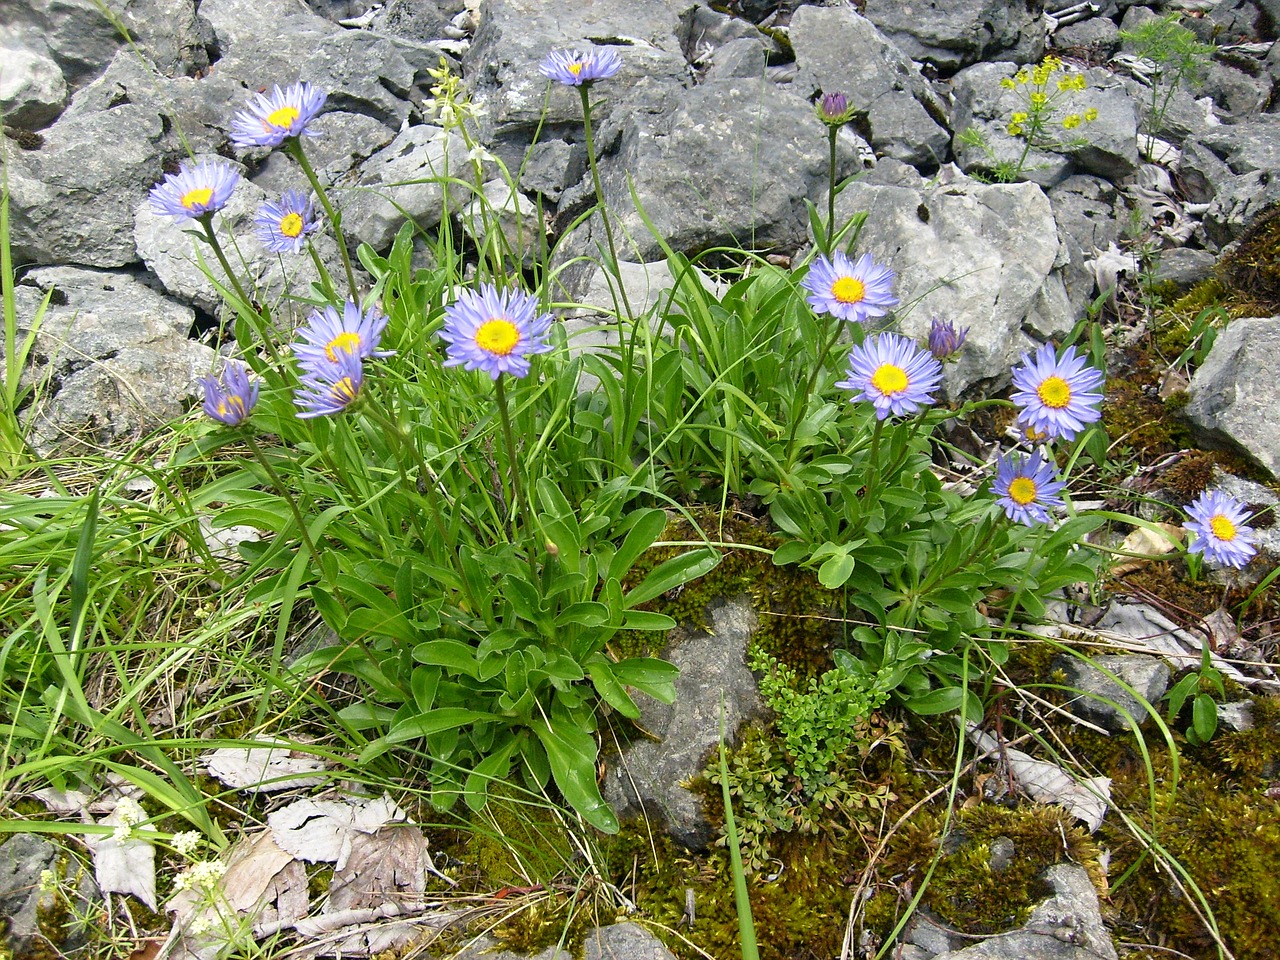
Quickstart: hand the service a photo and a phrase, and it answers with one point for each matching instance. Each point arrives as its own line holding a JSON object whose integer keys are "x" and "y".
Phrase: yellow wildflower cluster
{"x": 1034, "y": 82}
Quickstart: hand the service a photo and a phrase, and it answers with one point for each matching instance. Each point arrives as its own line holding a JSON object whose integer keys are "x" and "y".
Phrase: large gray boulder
{"x": 951, "y": 34}
{"x": 1235, "y": 393}
{"x": 649, "y": 775}
{"x": 985, "y": 256}
{"x": 112, "y": 357}
{"x": 838, "y": 50}
{"x": 731, "y": 161}
{"x": 501, "y": 66}
{"x": 32, "y": 89}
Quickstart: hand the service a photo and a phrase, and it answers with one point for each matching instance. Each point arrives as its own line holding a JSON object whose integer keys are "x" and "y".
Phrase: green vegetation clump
{"x": 1252, "y": 269}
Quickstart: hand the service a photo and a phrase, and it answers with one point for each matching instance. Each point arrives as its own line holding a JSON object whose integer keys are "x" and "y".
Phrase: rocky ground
{"x": 710, "y": 130}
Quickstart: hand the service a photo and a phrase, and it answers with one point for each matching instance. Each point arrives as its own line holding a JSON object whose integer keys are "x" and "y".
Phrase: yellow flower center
{"x": 344, "y": 390}
{"x": 1222, "y": 528}
{"x": 283, "y": 117}
{"x": 197, "y": 197}
{"x": 498, "y": 337}
{"x": 576, "y": 68}
{"x": 347, "y": 342}
{"x": 889, "y": 379}
{"x": 1022, "y": 490}
{"x": 1054, "y": 392}
{"x": 291, "y": 225}
{"x": 848, "y": 290}
{"x": 231, "y": 405}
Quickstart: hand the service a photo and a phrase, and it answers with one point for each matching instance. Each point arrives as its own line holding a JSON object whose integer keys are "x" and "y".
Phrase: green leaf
{"x": 793, "y": 551}
{"x": 673, "y": 573}
{"x": 496, "y": 766}
{"x": 835, "y": 571}
{"x": 647, "y": 527}
{"x": 1204, "y": 717}
{"x": 646, "y": 620}
{"x": 606, "y": 684}
{"x": 453, "y": 655}
{"x": 571, "y": 753}
{"x": 436, "y": 721}
{"x": 649, "y": 675}
{"x": 584, "y": 614}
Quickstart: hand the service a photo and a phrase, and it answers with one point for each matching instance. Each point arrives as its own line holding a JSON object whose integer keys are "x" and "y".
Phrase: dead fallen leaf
{"x": 387, "y": 866}
{"x": 1043, "y": 782}
{"x": 1148, "y": 542}
{"x": 123, "y": 866}
{"x": 321, "y": 830}
{"x": 264, "y": 769}
{"x": 1223, "y": 635}
{"x": 148, "y": 950}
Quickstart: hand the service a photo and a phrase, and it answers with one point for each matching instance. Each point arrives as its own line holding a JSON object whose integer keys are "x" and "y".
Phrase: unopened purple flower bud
{"x": 944, "y": 340}
{"x": 833, "y": 108}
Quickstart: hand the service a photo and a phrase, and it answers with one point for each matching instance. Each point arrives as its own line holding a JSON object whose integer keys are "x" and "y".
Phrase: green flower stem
{"x": 517, "y": 487}
{"x": 283, "y": 491}
{"x": 802, "y": 398}
{"x": 832, "y": 132}
{"x": 585, "y": 92}
{"x": 206, "y": 222}
{"x": 293, "y": 146}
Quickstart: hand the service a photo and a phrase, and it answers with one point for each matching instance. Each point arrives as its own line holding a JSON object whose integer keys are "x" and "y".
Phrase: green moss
{"x": 966, "y": 891}
{"x": 1252, "y": 269}
{"x": 1135, "y": 418}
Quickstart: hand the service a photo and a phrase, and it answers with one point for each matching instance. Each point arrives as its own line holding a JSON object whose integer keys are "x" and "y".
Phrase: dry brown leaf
{"x": 1085, "y": 799}
{"x": 1146, "y": 541}
{"x": 252, "y": 868}
{"x": 387, "y": 866}
{"x": 264, "y": 769}
{"x": 124, "y": 866}
{"x": 321, "y": 830}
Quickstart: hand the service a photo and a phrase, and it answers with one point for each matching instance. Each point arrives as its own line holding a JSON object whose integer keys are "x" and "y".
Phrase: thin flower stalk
{"x": 294, "y": 148}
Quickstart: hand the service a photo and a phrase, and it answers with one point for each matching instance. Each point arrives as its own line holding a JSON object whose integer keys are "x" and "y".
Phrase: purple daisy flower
{"x": 894, "y": 374}
{"x": 1058, "y": 397}
{"x": 1222, "y": 532}
{"x": 328, "y": 336}
{"x": 284, "y": 227}
{"x": 855, "y": 292}
{"x": 573, "y": 68}
{"x": 272, "y": 118}
{"x": 328, "y": 388}
{"x": 231, "y": 397}
{"x": 1027, "y": 487}
{"x": 494, "y": 331}
{"x": 195, "y": 190}
{"x": 945, "y": 340}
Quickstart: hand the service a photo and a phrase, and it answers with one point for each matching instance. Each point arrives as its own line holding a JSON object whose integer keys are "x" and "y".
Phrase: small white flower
{"x": 48, "y": 882}
{"x": 129, "y": 811}
{"x": 187, "y": 842}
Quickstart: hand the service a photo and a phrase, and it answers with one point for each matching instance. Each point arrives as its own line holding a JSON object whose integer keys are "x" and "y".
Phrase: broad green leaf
{"x": 571, "y": 753}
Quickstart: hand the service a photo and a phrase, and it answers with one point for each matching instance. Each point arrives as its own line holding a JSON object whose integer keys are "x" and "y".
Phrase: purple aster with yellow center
{"x": 1058, "y": 397}
{"x": 856, "y": 292}
{"x": 284, "y": 227}
{"x": 1027, "y": 487}
{"x": 1222, "y": 532}
{"x": 196, "y": 190}
{"x": 271, "y": 118}
{"x": 494, "y": 331}
{"x": 230, "y": 397}
{"x": 574, "y": 68}
{"x": 328, "y": 388}
{"x": 328, "y": 336}
{"x": 893, "y": 374}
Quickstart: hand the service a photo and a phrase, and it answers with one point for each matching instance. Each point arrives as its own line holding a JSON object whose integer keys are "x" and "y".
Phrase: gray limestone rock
{"x": 1098, "y": 35}
{"x": 112, "y": 357}
{"x": 70, "y": 199}
{"x": 985, "y": 256}
{"x": 344, "y": 142}
{"x": 732, "y": 162}
{"x": 1106, "y": 701}
{"x": 551, "y": 166}
{"x": 650, "y": 776}
{"x": 32, "y": 89}
{"x": 619, "y": 941}
{"x": 514, "y": 216}
{"x": 1067, "y": 926}
{"x": 1184, "y": 266}
{"x": 1234, "y": 394}
{"x": 738, "y": 58}
{"x": 406, "y": 179}
{"x": 24, "y": 857}
{"x": 952, "y": 34}
{"x": 1089, "y": 212}
{"x": 362, "y": 73}
{"x": 514, "y": 36}
{"x": 838, "y": 50}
